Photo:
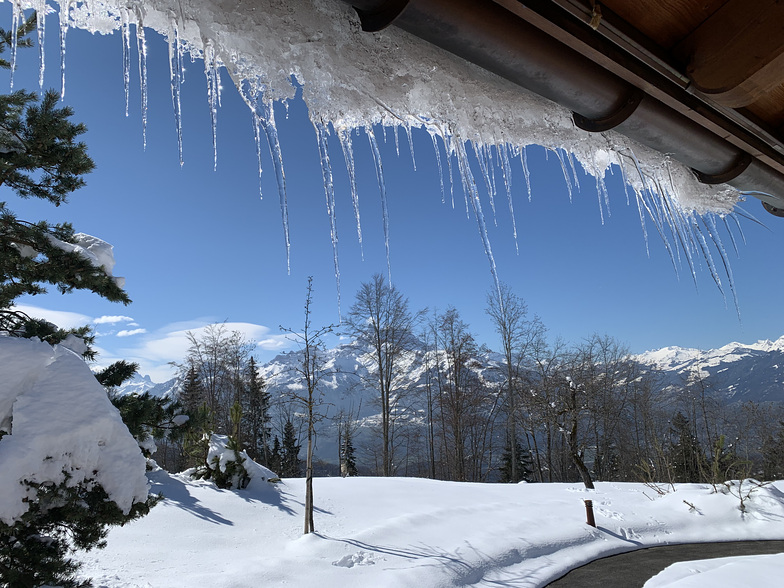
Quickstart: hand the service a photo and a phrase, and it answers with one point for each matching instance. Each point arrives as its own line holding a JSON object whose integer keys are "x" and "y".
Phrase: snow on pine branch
{"x": 59, "y": 426}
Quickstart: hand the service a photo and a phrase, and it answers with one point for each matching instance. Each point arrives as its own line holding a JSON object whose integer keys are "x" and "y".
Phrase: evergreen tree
{"x": 773, "y": 455}
{"x": 348, "y": 462}
{"x": 191, "y": 437}
{"x": 256, "y": 406}
{"x": 276, "y": 456}
{"x": 686, "y": 456}
{"x": 290, "y": 463}
{"x": 41, "y": 157}
{"x": 523, "y": 468}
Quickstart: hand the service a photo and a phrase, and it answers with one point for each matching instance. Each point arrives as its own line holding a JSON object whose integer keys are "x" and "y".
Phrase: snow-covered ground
{"x": 414, "y": 532}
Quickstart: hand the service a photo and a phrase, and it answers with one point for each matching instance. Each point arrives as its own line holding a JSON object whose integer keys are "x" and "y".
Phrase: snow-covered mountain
{"x": 140, "y": 384}
{"x": 741, "y": 372}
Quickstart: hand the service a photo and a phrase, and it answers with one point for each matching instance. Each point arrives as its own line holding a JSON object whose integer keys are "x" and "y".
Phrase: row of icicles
{"x": 683, "y": 234}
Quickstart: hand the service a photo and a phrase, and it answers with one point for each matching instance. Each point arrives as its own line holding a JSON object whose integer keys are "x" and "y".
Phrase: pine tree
{"x": 685, "y": 453}
{"x": 41, "y": 157}
{"x": 290, "y": 463}
{"x": 276, "y": 456}
{"x": 256, "y": 405}
{"x": 348, "y": 466}
{"x": 523, "y": 469}
{"x": 773, "y": 455}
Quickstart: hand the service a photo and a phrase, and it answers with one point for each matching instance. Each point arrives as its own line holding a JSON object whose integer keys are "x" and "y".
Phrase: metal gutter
{"x": 488, "y": 35}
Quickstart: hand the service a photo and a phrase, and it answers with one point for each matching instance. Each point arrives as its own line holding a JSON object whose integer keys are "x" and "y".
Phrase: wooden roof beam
{"x": 737, "y": 54}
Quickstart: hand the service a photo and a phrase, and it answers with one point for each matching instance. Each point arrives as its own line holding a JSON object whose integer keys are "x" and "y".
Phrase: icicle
{"x": 265, "y": 116}
{"x": 329, "y": 191}
{"x": 175, "y": 71}
{"x": 710, "y": 225}
{"x": 448, "y": 152}
{"x": 706, "y": 254}
{"x": 638, "y": 196}
{"x": 526, "y": 172}
{"x": 257, "y": 137}
{"x": 481, "y": 154}
{"x": 411, "y": 145}
{"x": 344, "y": 135}
{"x": 440, "y": 168}
{"x": 383, "y": 191}
{"x": 395, "y": 130}
{"x": 506, "y": 169}
{"x": 212, "y": 75}
{"x": 16, "y": 13}
{"x": 470, "y": 185}
{"x": 126, "y": 57}
{"x": 574, "y": 171}
{"x": 40, "y": 23}
{"x": 65, "y": 8}
{"x": 567, "y": 179}
{"x": 141, "y": 47}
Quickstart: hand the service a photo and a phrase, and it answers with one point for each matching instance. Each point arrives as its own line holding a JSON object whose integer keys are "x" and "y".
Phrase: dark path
{"x": 633, "y": 569}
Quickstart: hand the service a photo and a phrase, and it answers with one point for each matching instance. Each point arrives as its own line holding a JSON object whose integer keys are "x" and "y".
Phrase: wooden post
{"x": 589, "y": 513}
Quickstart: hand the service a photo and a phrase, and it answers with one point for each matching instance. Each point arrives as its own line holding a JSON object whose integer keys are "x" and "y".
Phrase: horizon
{"x": 198, "y": 247}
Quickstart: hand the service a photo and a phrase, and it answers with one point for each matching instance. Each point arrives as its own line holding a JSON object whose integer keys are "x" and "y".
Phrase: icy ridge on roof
{"x": 353, "y": 79}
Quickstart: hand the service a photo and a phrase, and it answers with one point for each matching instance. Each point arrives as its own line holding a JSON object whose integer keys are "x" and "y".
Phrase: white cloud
{"x": 127, "y": 333}
{"x": 155, "y": 351}
{"x": 110, "y": 320}
{"x": 63, "y": 319}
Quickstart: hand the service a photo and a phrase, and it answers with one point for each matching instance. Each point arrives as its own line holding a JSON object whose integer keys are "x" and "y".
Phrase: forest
{"x": 447, "y": 408}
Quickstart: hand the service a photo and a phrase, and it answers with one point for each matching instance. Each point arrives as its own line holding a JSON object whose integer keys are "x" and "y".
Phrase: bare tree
{"x": 311, "y": 370}
{"x": 519, "y": 336}
{"x": 381, "y": 322}
{"x": 219, "y": 357}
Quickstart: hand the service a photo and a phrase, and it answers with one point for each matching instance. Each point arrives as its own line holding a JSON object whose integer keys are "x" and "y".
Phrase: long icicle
{"x": 16, "y": 14}
{"x": 482, "y": 156}
{"x": 470, "y": 184}
{"x": 383, "y": 191}
{"x": 175, "y": 72}
{"x": 506, "y": 169}
{"x": 126, "y": 57}
{"x": 344, "y": 136}
{"x": 65, "y": 8}
{"x": 329, "y": 192}
{"x": 40, "y": 12}
{"x": 212, "y": 75}
{"x": 141, "y": 48}
{"x": 438, "y": 162}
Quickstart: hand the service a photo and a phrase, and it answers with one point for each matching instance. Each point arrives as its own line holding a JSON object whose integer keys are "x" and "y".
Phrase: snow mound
{"x": 59, "y": 423}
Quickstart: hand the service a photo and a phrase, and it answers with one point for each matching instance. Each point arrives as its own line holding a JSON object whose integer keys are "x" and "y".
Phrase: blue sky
{"x": 199, "y": 246}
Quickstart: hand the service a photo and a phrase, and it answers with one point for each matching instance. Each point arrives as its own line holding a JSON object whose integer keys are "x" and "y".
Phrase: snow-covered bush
{"x": 69, "y": 468}
{"x": 229, "y": 467}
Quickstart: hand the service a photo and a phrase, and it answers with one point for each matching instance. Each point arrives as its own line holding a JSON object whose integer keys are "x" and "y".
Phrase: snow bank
{"x": 60, "y": 423}
{"x": 760, "y": 570}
